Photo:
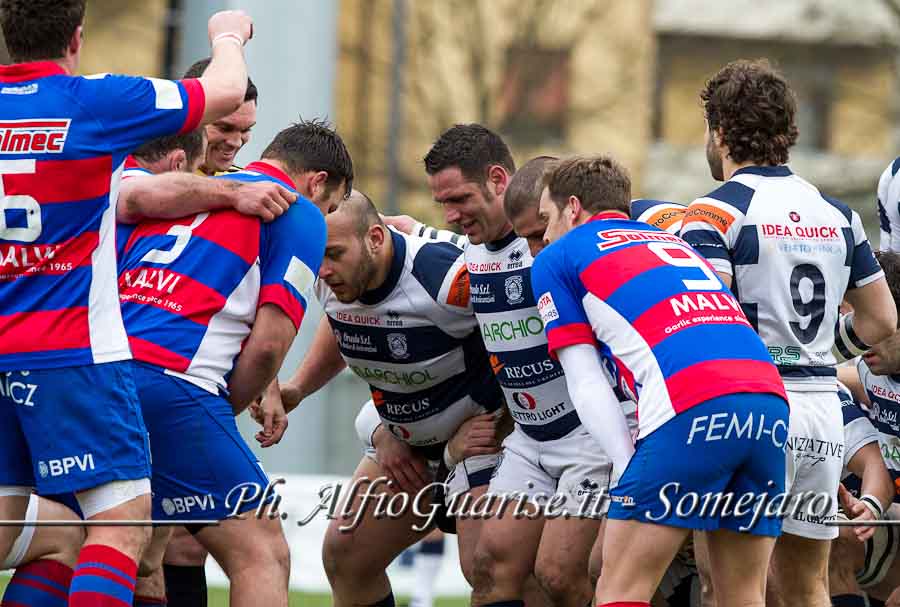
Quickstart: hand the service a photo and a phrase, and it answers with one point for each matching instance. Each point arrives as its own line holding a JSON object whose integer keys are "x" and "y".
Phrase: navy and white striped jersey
{"x": 858, "y": 432}
{"x": 793, "y": 253}
{"x": 884, "y": 412}
{"x": 513, "y": 332}
{"x": 659, "y": 213}
{"x": 415, "y": 341}
{"x": 889, "y": 207}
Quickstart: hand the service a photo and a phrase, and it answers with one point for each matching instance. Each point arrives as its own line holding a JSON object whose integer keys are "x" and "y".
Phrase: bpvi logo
{"x": 61, "y": 467}
{"x": 183, "y": 505}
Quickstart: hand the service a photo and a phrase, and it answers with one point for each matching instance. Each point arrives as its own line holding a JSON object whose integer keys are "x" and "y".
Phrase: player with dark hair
{"x": 228, "y": 134}
{"x": 619, "y": 293}
{"x": 212, "y": 303}
{"x": 875, "y": 382}
{"x": 791, "y": 255}
{"x": 470, "y": 170}
{"x": 61, "y": 329}
{"x": 316, "y": 152}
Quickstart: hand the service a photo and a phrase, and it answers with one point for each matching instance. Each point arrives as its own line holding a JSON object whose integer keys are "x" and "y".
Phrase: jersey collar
{"x": 781, "y": 170}
{"x": 21, "y": 72}
{"x": 609, "y": 215}
{"x": 261, "y": 166}
{"x": 378, "y": 294}
{"x": 504, "y": 242}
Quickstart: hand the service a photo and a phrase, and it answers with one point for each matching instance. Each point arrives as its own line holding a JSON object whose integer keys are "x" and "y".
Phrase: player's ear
{"x": 177, "y": 160}
{"x": 498, "y": 179}
{"x": 376, "y": 236}
{"x": 76, "y": 41}
{"x": 573, "y": 209}
{"x": 317, "y": 183}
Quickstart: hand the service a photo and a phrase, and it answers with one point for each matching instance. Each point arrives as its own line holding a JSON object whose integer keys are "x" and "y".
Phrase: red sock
{"x": 41, "y": 583}
{"x": 104, "y": 577}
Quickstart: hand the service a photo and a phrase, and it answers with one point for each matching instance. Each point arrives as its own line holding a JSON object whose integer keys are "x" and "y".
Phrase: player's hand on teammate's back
{"x": 405, "y": 469}
{"x": 857, "y": 511}
{"x": 225, "y": 22}
{"x": 404, "y": 223}
{"x": 264, "y": 199}
{"x": 894, "y": 599}
{"x": 475, "y": 436}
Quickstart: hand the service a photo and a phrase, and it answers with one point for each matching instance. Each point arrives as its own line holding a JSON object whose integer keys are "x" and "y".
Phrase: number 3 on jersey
{"x": 182, "y": 236}
{"x": 19, "y": 204}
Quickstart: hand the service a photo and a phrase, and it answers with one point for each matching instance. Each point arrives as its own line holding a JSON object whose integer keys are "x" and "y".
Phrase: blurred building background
{"x": 570, "y": 76}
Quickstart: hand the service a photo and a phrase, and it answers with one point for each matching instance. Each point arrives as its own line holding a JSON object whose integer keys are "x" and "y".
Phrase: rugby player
{"x": 888, "y": 201}
{"x": 790, "y": 254}
{"x": 469, "y": 171}
{"x": 875, "y": 382}
{"x": 614, "y": 291}
{"x": 227, "y": 135}
{"x": 549, "y": 453}
{"x": 196, "y": 293}
{"x": 69, "y": 138}
{"x": 864, "y": 474}
{"x": 399, "y": 314}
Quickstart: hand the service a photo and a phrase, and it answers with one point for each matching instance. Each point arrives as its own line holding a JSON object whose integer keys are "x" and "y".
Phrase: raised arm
{"x": 172, "y": 195}
{"x": 225, "y": 80}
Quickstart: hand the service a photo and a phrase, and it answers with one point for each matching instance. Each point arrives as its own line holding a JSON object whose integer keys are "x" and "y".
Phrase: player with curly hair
{"x": 790, "y": 254}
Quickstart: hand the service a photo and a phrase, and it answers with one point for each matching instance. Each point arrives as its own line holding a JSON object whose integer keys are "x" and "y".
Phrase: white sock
{"x": 426, "y": 568}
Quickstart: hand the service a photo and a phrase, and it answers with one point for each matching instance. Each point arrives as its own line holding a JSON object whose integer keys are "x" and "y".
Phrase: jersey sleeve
{"x": 864, "y": 267}
{"x": 131, "y": 110}
{"x": 440, "y": 268}
{"x": 292, "y": 251}
{"x": 659, "y": 214}
{"x": 858, "y": 430}
{"x": 565, "y": 321}
{"x": 888, "y": 203}
{"x": 711, "y": 226}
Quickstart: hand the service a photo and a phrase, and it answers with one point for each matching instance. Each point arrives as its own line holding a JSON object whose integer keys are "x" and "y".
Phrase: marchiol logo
{"x": 42, "y": 136}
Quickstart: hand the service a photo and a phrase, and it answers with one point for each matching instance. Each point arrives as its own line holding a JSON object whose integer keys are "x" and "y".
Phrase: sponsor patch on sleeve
{"x": 547, "y": 309}
{"x": 707, "y": 213}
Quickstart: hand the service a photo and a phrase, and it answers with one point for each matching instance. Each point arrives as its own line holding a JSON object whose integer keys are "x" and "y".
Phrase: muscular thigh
{"x": 356, "y": 533}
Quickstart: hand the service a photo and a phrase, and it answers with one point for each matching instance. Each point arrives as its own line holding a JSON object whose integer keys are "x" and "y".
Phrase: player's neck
{"x": 729, "y": 167}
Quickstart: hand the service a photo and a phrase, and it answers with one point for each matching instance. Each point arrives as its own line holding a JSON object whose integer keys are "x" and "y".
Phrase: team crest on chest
{"x": 514, "y": 290}
{"x": 397, "y": 345}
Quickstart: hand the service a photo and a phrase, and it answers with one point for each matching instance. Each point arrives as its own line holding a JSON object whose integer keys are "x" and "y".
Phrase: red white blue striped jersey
{"x": 190, "y": 288}
{"x": 63, "y": 140}
{"x": 657, "y": 310}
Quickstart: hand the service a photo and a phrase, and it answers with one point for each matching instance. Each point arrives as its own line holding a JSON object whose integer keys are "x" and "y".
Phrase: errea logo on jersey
{"x": 40, "y": 136}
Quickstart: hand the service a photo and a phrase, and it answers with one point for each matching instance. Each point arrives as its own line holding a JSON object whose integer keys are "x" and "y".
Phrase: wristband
{"x": 873, "y": 504}
{"x": 448, "y": 459}
{"x": 228, "y": 36}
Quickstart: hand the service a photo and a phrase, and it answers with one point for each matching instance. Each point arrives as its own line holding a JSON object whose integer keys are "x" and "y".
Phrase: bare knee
{"x": 560, "y": 582}
{"x": 341, "y": 559}
{"x": 483, "y": 570}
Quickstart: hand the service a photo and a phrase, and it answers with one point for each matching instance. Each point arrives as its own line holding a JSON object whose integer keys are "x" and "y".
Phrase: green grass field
{"x": 218, "y": 597}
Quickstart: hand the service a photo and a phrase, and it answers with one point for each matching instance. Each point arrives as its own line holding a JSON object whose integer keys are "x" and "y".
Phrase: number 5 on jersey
{"x": 19, "y": 204}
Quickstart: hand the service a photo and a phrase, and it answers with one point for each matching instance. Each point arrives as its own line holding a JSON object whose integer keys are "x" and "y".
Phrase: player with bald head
{"x": 398, "y": 313}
